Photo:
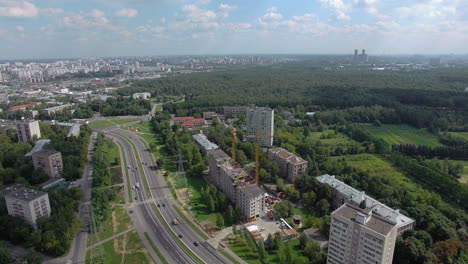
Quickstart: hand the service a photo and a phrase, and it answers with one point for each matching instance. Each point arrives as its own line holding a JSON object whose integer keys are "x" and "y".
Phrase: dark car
{"x": 181, "y": 236}
{"x": 159, "y": 205}
{"x": 195, "y": 243}
{"x": 163, "y": 205}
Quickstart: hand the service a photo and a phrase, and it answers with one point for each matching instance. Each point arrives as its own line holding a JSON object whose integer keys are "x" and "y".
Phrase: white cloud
{"x": 272, "y": 9}
{"x": 305, "y": 17}
{"x": 203, "y": 2}
{"x": 13, "y": 8}
{"x": 371, "y": 7}
{"x": 433, "y": 9}
{"x": 20, "y": 28}
{"x": 270, "y": 20}
{"x": 126, "y": 12}
{"x": 51, "y": 11}
{"x": 339, "y": 7}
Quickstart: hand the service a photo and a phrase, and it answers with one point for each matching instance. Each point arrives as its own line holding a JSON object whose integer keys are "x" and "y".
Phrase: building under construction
{"x": 234, "y": 182}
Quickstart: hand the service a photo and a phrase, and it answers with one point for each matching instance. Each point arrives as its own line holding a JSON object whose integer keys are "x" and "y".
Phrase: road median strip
{"x": 156, "y": 250}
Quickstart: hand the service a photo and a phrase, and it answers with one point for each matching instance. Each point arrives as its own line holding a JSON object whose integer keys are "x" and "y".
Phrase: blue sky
{"x": 78, "y": 28}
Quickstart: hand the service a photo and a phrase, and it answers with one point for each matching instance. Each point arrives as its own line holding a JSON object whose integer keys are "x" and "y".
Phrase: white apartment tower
{"x": 260, "y": 123}
{"x": 27, "y": 129}
{"x": 26, "y": 203}
{"x": 357, "y": 236}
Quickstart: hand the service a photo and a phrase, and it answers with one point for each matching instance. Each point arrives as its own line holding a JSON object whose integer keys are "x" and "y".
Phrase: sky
{"x": 84, "y": 28}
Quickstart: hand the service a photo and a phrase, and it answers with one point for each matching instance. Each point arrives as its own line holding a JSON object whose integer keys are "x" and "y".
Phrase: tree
{"x": 323, "y": 206}
{"x": 229, "y": 216}
{"x": 241, "y": 157}
{"x": 280, "y": 184}
{"x": 33, "y": 257}
{"x": 303, "y": 241}
{"x": 211, "y": 204}
{"x": 293, "y": 194}
{"x": 283, "y": 209}
{"x": 5, "y": 256}
{"x": 310, "y": 198}
{"x": 262, "y": 254}
{"x": 219, "y": 220}
{"x": 313, "y": 252}
{"x": 234, "y": 229}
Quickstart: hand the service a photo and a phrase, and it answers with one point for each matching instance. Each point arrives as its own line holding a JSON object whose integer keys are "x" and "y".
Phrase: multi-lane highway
{"x": 147, "y": 220}
{"x": 160, "y": 195}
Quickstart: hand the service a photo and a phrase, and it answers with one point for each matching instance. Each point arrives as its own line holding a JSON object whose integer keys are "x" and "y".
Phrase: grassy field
{"x": 251, "y": 256}
{"x": 403, "y": 134}
{"x": 110, "y": 123}
{"x": 127, "y": 248}
{"x": 463, "y": 135}
{"x": 464, "y": 178}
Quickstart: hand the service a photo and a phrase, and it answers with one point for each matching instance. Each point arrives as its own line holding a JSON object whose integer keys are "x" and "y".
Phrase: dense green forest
{"x": 419, "y": 179}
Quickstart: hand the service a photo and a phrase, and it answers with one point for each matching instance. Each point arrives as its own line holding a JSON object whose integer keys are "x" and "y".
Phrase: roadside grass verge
{"x": 192, "y": 225}
{"x": 153, "y": 246}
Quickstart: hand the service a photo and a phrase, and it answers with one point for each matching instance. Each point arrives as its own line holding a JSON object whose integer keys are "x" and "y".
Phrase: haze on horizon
{"x": 83, "y": 28}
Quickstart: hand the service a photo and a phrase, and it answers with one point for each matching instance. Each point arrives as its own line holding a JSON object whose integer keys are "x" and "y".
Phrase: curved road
{"x": 161, "y": 195}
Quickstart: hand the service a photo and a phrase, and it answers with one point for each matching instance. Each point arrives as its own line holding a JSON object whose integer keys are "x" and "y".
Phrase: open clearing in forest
{"x": 403, "y": 134}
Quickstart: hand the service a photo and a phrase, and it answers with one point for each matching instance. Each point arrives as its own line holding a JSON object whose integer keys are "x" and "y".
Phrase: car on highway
{"x": 163, "y": 205}
{"x": 181, "y": 236}
{"x": 159, "y": 205}
{"x": 195, "y": 243}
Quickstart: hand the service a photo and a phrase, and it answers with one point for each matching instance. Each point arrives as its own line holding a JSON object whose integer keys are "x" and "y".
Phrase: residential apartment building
{"x": 27, "y": 129}
{"x": 204, "y": 143}
{"x": 343, "y": 193}
{"x": 216, "y": 157}
{"x": 251, "y": 201}
{"x": 289, "y": 164}
{"x": 49, "y": 161}
{"x": 57, "y": 109}
{"x": 359, "y": 236}
{"x": 234, "y": 110}
{"x": 228, "y": 176}
{"x": 260, "y": 123}
{"x": 26, "y": 203}
{"x": 144, "y": 95}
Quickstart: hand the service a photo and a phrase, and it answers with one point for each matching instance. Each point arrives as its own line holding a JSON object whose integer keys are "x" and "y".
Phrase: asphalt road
{"x": 147, "y": 219}
{"x": 162, "y": 195}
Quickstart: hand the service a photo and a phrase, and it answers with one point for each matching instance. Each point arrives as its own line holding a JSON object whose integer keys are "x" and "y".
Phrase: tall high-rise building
{"x": 26, "y": 203}
{"x": 358, "y": 236}
{"x": 27, "y": 129}
{"x": 260, "y": 123}
{"x": 49, "y": 161}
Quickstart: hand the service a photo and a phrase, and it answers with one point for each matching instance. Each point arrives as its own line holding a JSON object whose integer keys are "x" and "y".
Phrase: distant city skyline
{"x": 36, "y": 29}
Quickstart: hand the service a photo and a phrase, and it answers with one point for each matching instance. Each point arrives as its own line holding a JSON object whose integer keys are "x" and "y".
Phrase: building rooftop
{"x": 251, "y": 190}
{"x": 204, "y": 142}
{"x": 47, "y": 152}
{"x": 366, "y": 218}
{"x": 219, "y": 155}
{"x": 20, "y": 107}
{"x": 74, "y": 130}
{"x": 20, "y": 192}
{"x": 357, "y": 197}
{"x": 286, "y": 155}
{"x": 58, "y": 107}
{"x": 40, "y": 144}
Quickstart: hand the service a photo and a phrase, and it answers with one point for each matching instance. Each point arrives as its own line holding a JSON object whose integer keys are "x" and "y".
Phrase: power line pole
{"x": 180, "y": 166}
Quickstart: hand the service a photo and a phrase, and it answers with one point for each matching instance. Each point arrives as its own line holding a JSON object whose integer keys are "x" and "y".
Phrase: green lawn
{"x": 463, "y": 135}
{"x": 403, "y": 134}
{"x": 133, "y": 245}
{"x": 110, "y": 123}
{"x": 332, "y": 138}
{"x": 101, "y": 124}
{"x": 251, "y": 256}
{"x": 464, "y": 177}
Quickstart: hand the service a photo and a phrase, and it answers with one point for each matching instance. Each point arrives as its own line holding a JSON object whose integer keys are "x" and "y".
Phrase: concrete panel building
{"x": 251, "y": 201}
{"x": 358, "y": 236}
{"x": 204, "y": 143}
{"x": 57, "y": 109}
{"x": 216, "y": 158}
{"x": 343, "y": 193}
{"x": 289, "y": 164}
{"x": 234, "y": 110}
{"x": 27, "y": 130}
{"x": 144, "y": 95}
{"x": 49, "y": 161}
{"x": 26, "y": 203}
{"x": 260, "y": 123}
